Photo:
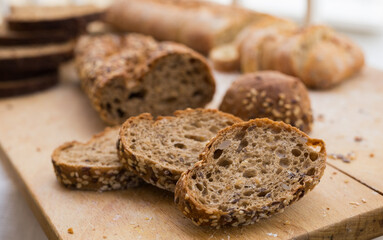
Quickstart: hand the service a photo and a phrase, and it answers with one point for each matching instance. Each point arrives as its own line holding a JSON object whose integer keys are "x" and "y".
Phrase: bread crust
{"x": 13, "y": 38}
{"x": 71, "y": 25}
{"x": 150, "y": 170}
{"x": 317, "y": 55}
{"x": 269, "y": 94}
{"x": 35, "y": 58}
{"x": 144, "y": 53}
{"x": 201, "y": 215}
{"x": 197, "y": 24}
{"x": 9, "y": 88}
{"x": 79, "y": 177}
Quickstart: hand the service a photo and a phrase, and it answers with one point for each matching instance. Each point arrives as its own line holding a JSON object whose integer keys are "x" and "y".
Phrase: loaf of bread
{"x": 250, "y": 171}
{"x": 160, "y": 150}
{"x": 93, "y": 165}
{"x": 317, "y": 55}
{"x": 268, "y": 94}
{"x": 198, "y": 24}
{"x": 132, "y": 74}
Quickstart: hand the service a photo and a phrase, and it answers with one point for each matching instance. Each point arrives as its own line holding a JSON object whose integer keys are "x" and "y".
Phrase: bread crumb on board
{"x": 358, "y": 139}
{"x": 70, "y": 230}
{"x": 346, "y": 159}
{"x": 372, "y": 155}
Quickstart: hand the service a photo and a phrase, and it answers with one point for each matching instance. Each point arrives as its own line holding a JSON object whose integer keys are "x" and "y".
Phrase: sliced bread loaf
{"x": 131, "y": 74}
{"x": 34, "y": 58}
{"x": 71, "y": 19}
{"x": 93, "y": 165}
{"x": 26, "y": 85}
{"x": 160, "y": 150}
{"x": 250, "y": 171}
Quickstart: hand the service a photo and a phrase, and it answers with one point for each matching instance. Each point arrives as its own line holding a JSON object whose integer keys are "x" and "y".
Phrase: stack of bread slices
{"x": 222, "y": 170}
{"x": 35, "y": 40}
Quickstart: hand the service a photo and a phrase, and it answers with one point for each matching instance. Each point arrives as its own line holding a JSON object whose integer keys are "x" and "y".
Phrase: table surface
{"x": 16, "y": 214}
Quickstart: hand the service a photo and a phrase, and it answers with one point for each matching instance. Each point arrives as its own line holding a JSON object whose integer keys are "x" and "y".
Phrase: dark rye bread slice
{"x": 93, "y": 165}
{"x": 23, "y": 38}
{"x": 160, "y": 150}
{"x": 28, "y": 85}
{"x": 126, "y": 75}
{"x": 250, "y": 171}
{"x": 34, "y": 58}
{"x": 71, "y": 18}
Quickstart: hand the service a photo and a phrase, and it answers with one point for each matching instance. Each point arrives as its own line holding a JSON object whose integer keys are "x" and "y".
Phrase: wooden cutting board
{"x": 347, "y": 204}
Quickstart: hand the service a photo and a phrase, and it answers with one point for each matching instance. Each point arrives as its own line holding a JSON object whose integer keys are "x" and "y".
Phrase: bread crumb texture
{"x": 250, "y": 171}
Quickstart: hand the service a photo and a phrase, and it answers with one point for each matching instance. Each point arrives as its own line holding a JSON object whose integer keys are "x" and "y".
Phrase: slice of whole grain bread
{"x": 160, "y": 150}
{"x": 250, "y": 171}
{"x": 93, "y": 165}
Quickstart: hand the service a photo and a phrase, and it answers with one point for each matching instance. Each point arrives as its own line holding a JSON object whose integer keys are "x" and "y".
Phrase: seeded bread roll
{"x": 71, "y": 19}
{"x": 93, "y": 165}
{"x": 131, "y": 74}
{"x": 250, "y": 171}
{"x": 160, "y": 150}
{"x": 269, "y": 94}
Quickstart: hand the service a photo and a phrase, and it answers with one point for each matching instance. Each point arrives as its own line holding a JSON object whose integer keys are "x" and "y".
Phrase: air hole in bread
{"x": 296, "y": 152}
{"x": 199, "y": 186}
{"x": 249, "y": 173}
{"x": 217, "y": 153}
{"x": 311, "y": 172}
{"x": 248, "y": 193}
{"x": 279, "y": 170}
{"x": 197, "y": 93}
{"x": 223, "y": 162}
{"x": 313, "y": 156}
{"x": 263, "y": 193}
{"x": 196, "y": 138}
{"x": 120, "y": 113}
{"x": 242, "y": 145}
{"x": 180, "y": 146}
{"x": 140, "y": 94}
{"x": 284, "y": 162}
{"x": 214, "y": 129}
{"x": 170, "y": 100}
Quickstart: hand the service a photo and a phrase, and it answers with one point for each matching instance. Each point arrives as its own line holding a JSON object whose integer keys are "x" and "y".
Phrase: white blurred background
{"x": 361, "y": 20}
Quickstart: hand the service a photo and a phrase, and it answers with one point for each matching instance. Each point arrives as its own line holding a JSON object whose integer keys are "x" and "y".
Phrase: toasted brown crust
{"x": 32, "y": 84}
{"x": 151, "y": 170}
{"x": 144, "y": 53}
{"x": 21, "y": 18}
{"x": 35, "y": 58}
{"x": 77, "y": 176}
{"x": 269, "y": 94}
{"x": 204, "y": 216}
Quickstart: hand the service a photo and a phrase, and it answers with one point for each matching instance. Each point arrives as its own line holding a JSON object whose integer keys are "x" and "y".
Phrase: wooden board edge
{"x": 43, "y": 220}
{"x": 363, "y": 226}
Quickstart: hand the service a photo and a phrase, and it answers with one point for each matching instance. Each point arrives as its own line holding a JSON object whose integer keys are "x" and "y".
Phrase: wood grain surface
{"x": 341, "y": 207}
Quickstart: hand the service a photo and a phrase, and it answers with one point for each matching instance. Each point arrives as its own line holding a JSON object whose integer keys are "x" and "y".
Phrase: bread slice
{"x": 23, "y": 38}
{"x": 31, "y": 84}
{"x": 71, "y": 19}
{"x": 93, "y": 165}
{"x": 225, "y": 58}
{"x": 126, "y": 75}
{"x": 160, "y": 150}
{"x": 33, "y": 58}
{"x": 250, "y": 171}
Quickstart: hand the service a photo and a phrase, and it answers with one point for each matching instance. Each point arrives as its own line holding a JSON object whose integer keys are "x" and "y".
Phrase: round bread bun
{"x": 269, "y": 94}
